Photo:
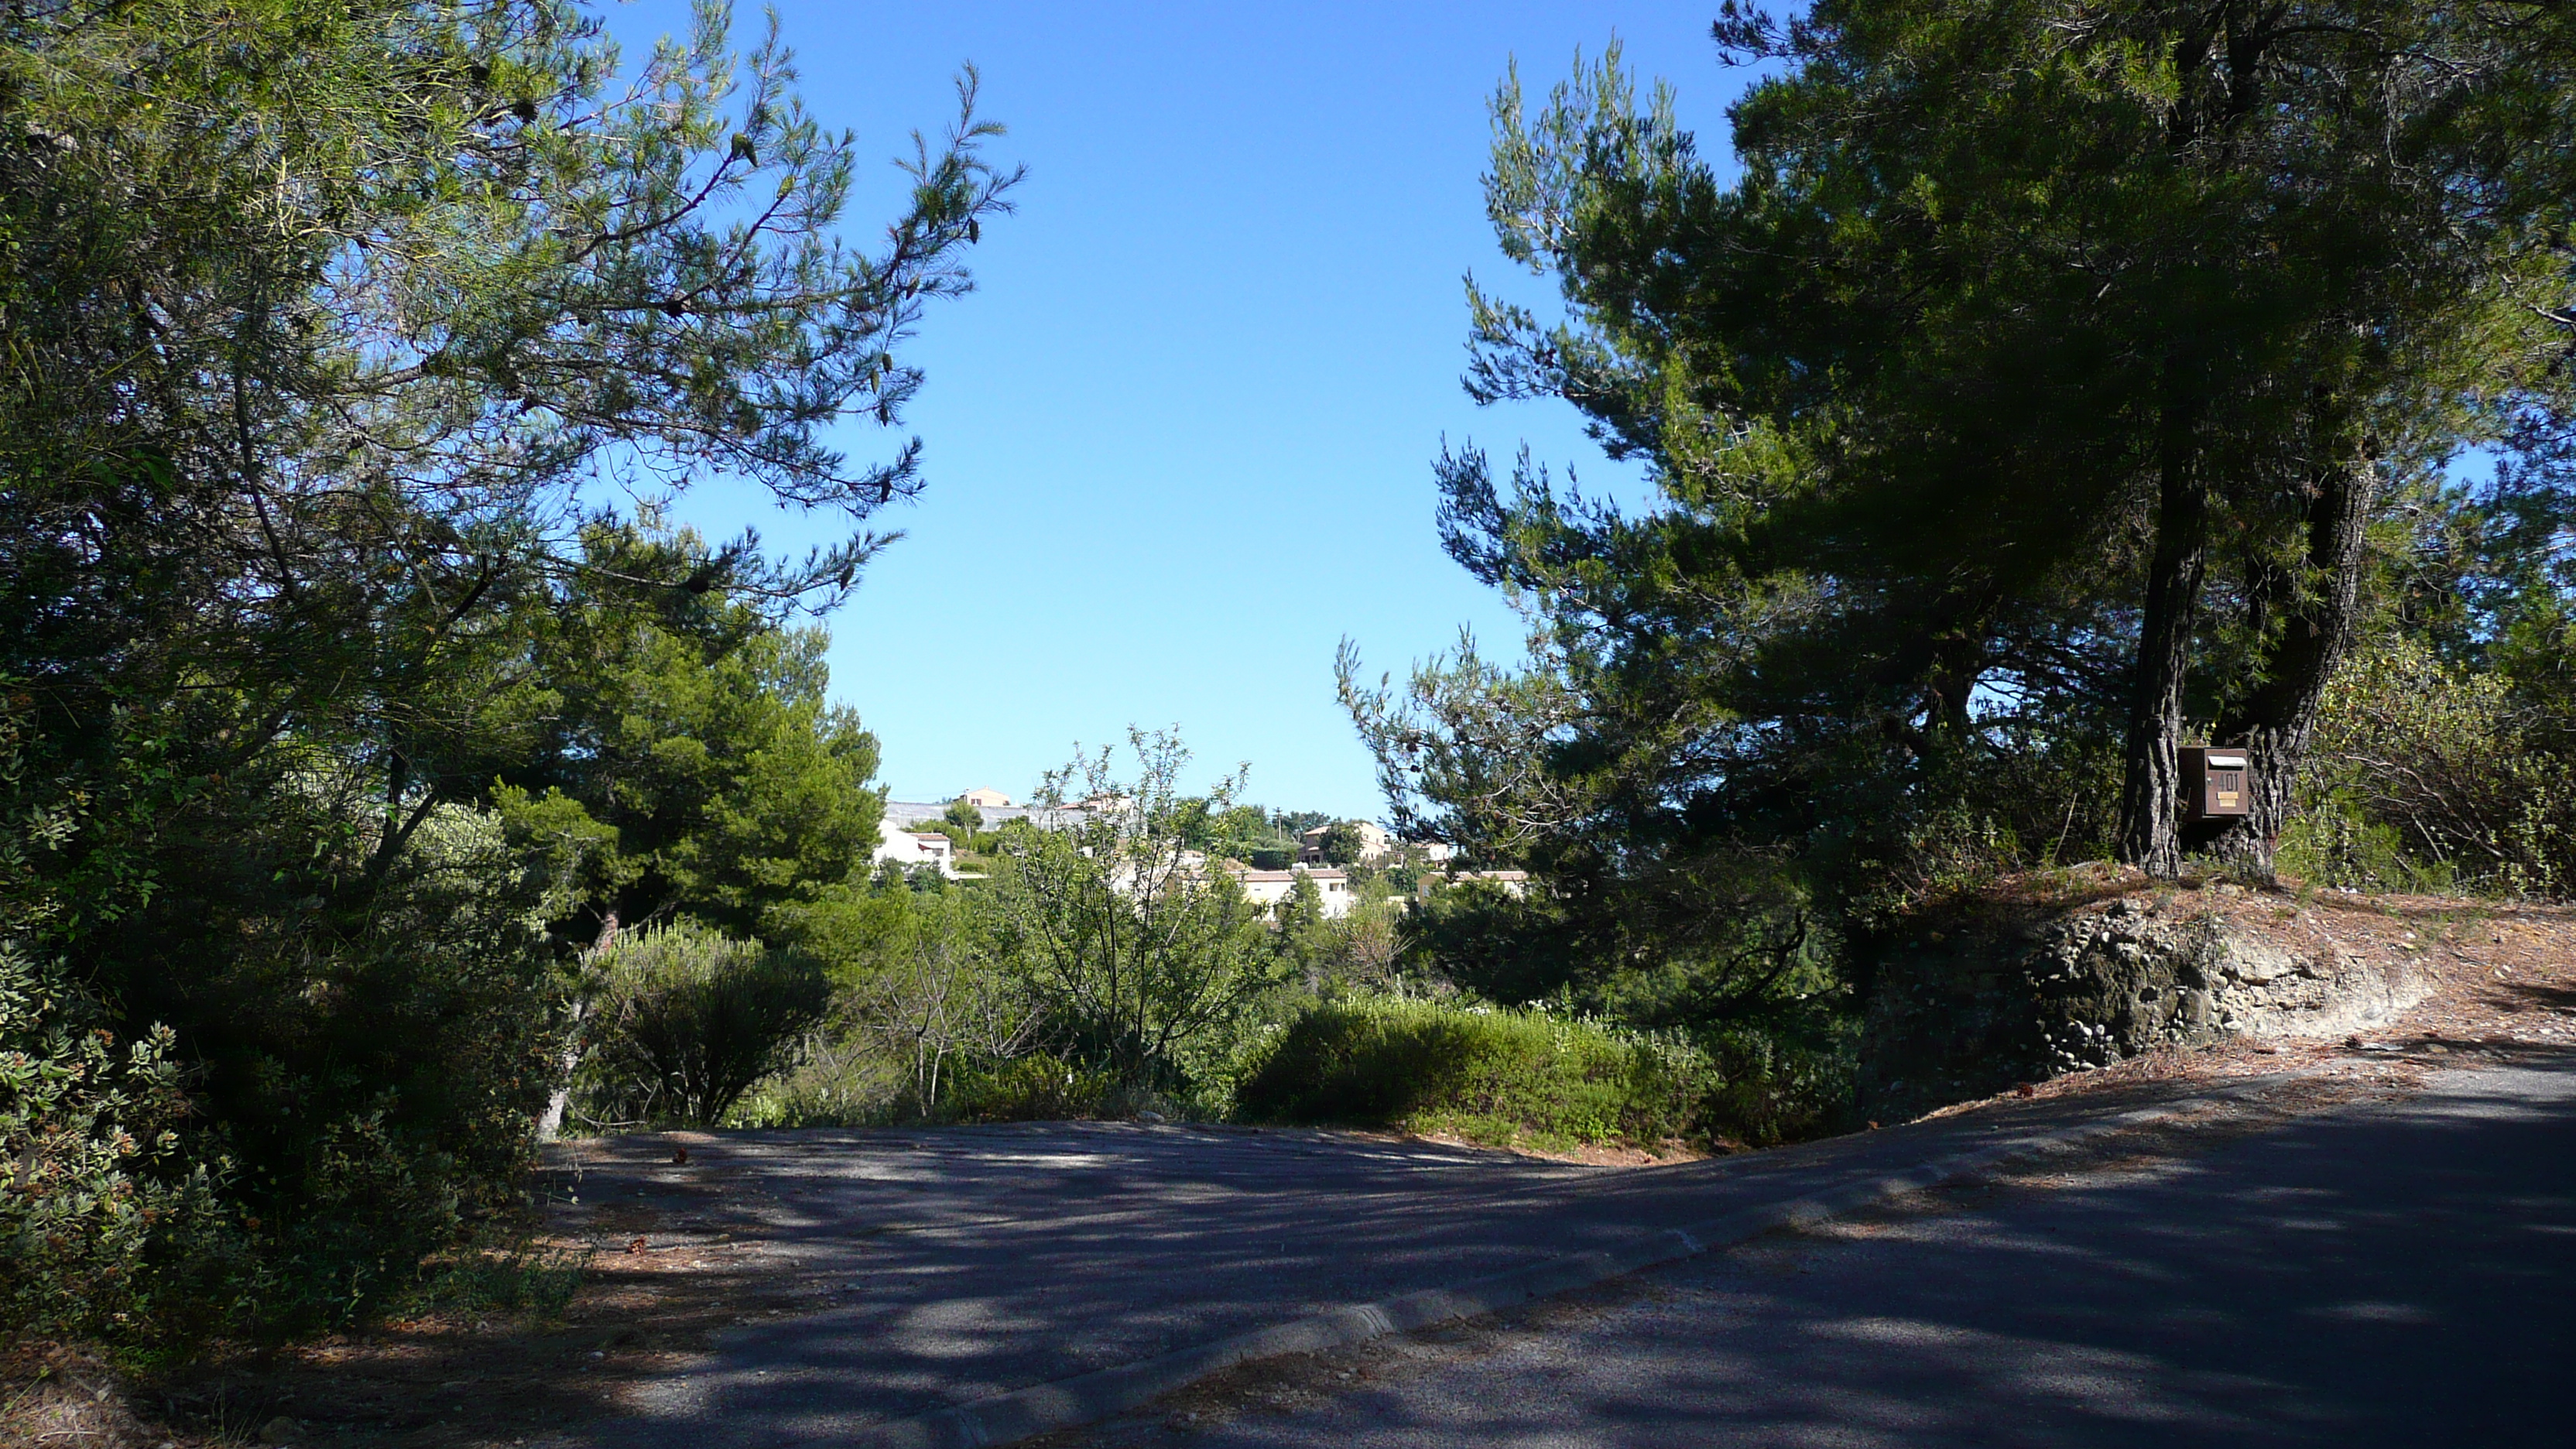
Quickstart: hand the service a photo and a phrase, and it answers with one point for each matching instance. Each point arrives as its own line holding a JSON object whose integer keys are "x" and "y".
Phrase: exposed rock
{"x": 2013, "y": 995}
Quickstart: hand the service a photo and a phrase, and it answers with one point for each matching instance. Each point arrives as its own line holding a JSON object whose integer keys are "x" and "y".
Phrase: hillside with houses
{"x": 952, "y": 839}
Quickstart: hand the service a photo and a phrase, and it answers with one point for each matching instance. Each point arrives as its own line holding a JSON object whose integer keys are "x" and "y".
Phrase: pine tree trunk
{"x": 2321, "y": 613}
{"x": 2151, "y": 782}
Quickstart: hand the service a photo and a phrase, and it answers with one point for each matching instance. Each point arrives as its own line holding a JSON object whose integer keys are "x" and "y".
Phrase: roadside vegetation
{"x": 387, "y": 784}
{"x": 343, "y": 727}
{"x": 1511, "y": 1078}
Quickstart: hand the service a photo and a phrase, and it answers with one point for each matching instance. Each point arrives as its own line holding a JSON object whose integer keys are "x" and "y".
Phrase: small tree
{"x": 1123, "y": 937}
{"x": 939, "y": 994}
{"x": 689, "y": 1019}
{"x": 1360, "y": 949}
{"x": 963, "y": 814}
{"x": 1342, "y": 843}
{"x": 1297, "y": 925}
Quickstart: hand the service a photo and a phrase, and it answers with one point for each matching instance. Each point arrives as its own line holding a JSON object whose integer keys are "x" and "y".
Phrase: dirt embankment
{"x": 2078, "y": 972}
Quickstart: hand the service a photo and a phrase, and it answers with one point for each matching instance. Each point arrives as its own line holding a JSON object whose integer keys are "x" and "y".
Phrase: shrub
{"x": 1782, "y": 1080}
{"x": 1040, "y": 1088}
{"x": 1482, "y": 1073}
{"x": 102, "y": 1215}
{"x": 360, "y": 1075}
{"x": 686, "y": 1020}
{"x": 1129, "y": 951}
{"x": 841, "y": 1079}
{"x": 2444, "y": 762}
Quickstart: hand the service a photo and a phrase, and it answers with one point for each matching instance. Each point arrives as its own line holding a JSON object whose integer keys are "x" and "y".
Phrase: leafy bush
{"x": 841, "y": 1079}
{"x": 513, "y": 1277}
{"x": 1128, "y": 947}
{"x": 2425, "y": 775}
{"x": 367, "y": 1042}
{"x": 102, "y": 1213}
{"x": 1482, "y": 1073}
{"x": 686, "y": 1020}
{"x": 1038, "y": 1088}
{"x": 1782, "y": 1080}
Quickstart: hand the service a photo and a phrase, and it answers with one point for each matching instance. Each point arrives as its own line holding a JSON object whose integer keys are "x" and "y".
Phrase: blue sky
{"x": 1178, "y": 442}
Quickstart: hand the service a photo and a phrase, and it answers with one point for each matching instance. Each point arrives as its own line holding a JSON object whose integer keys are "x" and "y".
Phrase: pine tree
{"x": 2036, "y": 384}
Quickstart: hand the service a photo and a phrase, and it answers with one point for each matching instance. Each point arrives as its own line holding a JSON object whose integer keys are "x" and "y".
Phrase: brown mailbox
{"x": 2216, "y": 783}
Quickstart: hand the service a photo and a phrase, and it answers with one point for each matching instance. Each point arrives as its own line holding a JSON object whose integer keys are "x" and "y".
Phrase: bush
{"x": 2426, "y": 775}
{"x": 841, "y": 1079}
{"x": 686, "y": 1020}
{"x": 1129, "y": 954}
{"x": 102, "y": 1216}
{"x": 1481, "y": 1073}
{"x": 1782, "y": 1080}
{"x": 1039, "y": 1088}
{"x": 364, "y": 1051}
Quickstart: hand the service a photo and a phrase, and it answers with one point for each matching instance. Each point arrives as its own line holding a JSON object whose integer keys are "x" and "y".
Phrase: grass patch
{"x": 1484, "y": 1074}
{"x": 515, "y": 1278}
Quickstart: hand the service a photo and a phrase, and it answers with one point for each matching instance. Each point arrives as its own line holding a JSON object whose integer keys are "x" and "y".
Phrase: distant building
{"x": 1267, "y": 888}
{"x": 1513, "y": 883}
{"x": 1378, "y": 847}
{"x": 905, "y": 813}
{"x": 985, "y": 797}
{"x": 1375, "y": 844}
{"x": 911, "y": 848}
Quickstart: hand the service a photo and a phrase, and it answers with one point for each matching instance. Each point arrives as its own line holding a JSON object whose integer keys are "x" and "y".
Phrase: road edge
{"x": 1087, "y": 1398}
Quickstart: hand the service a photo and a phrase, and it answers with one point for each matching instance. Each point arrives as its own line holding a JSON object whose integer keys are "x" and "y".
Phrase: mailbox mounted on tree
{"x": 2216, "y": 783}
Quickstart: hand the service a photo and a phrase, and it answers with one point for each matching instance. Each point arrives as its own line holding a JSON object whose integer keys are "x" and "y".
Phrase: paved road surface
{"x": 976, "y": 1261}
{"x": 2392, "y": 1275}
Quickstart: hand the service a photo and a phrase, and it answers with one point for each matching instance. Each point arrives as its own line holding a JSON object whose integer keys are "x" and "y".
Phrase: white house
{"x": 909, "y": 848}
{"x": 1375, "y": 844}
{"x": 1267, "y": 888}
{"x": 904, "y": 813}
{"x": 1513, "y": 883}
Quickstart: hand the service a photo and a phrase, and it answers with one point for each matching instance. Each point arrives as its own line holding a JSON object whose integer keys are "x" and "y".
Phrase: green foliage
{"x": 922, "y": 1004}
{"x": 963, "y": 814}
{"x": 1038, "y": 1088}
{"x": 511, "y": 1278}
{"x": 1341, "y": 843}
{"x": 2036, "y": 390}
{"x": 1357, "y": 950}
{"x": 1300, "y": 912}
{"x": 303, "y": 555}
{"x": 2430, "y": 776}
{"x": 104, "y": 1220}
{"x": 940, "y": 996}
{"x": 685, "y": 1020}
{"x": 1263, "y": 839}
{"x": 1128, "y": 948}
{"x": 1482, "y": 939}
{"x": 1789, "y": 1079}
{"x": 696, "y": 735}
{"x": 1488, "y": 1075}
{"x": 372, "y": 1055}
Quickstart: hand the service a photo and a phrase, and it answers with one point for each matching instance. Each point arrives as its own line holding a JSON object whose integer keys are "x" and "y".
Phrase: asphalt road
{"x": 971, "y": 1262}
{"x": 2398, "y": 1274}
